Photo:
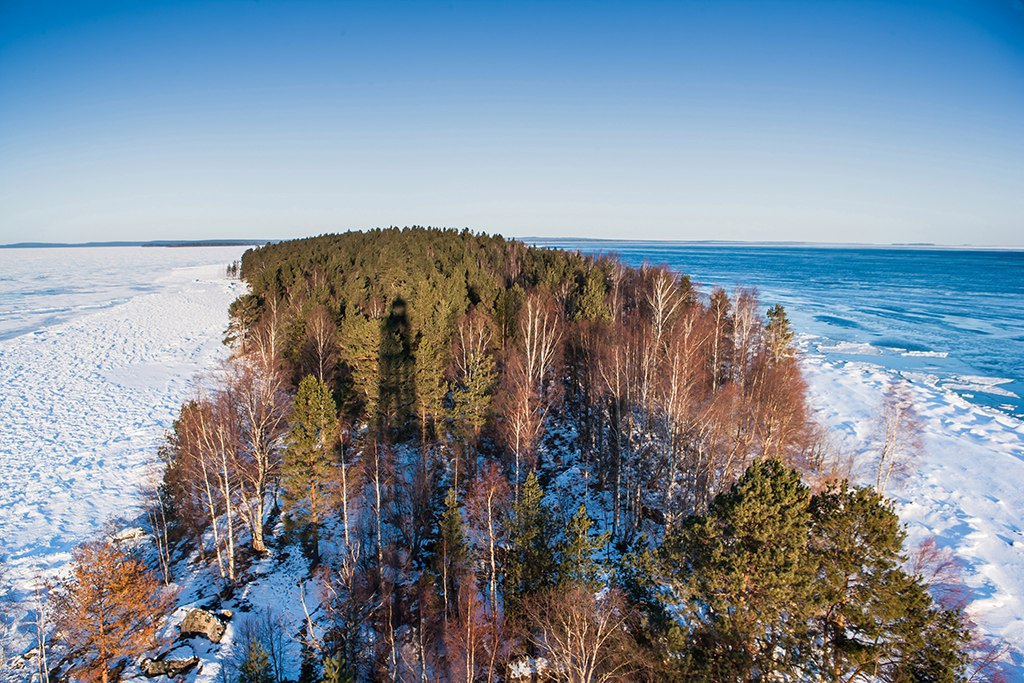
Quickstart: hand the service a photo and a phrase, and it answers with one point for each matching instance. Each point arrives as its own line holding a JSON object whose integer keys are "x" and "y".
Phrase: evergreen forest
{"x": 507, "y": 463}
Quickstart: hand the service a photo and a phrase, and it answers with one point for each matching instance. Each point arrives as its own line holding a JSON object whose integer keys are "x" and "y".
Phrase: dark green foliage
{"x": 747, "y": 574}
{"x": 255, "y": 667}
{"x": 530, "y": 561}
{"x": 360, "y": 340}
{"x": 309, "y": 458}
{"x": 873, "y": 615}
{"x": 398, "y": 294}
{"x": 453, "y": 547}
{"x": 779, "y": 334}
{"x": 592, "y": 303}
{"x": 772, "y": 581}
{"x": 243, "y": 312}
{"x": 474, "y": 377}
{"x": 667, "y": 397}
{"x": 576, "y": 562}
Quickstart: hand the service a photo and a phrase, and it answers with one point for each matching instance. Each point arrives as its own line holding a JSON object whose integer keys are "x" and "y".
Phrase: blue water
{"x": 897, "y": 307}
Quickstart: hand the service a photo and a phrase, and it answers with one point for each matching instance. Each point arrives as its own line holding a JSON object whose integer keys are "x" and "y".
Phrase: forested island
{"x": 497, "y": 462}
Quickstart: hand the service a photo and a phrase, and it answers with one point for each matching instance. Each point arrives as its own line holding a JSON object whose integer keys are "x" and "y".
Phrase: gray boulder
{"x": 199, "y": 622}
{"x": 180, "y": 660}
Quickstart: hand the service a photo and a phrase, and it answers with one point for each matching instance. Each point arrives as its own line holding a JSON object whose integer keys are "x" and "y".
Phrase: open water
{"x": 954, "y": 317}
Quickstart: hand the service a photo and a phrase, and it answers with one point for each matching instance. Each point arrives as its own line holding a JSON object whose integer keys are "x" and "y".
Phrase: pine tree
{"x": 452, "y": 547}
{"x": 744, "y": 574}
{"x": 874, "y": 617}
{"x": 576, "y": 563}
{"x": 475, "y": 376}
{"x": 310, "y": 454}
{"x": 431, "y": 365}
{"x": 530, "y": 560}
{"x": 360, "y": 342}
{"x": 255, "y": 667}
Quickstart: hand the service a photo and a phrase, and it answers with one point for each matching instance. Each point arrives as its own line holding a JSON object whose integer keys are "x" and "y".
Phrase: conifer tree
{"x": 452, "y": 548}
{"x": 335, "y": 671}
{"x": 360, "y": 342}
{"x": 778, "y": 334}
{"x": 530, "y": 560}
{"x": 576, "y": 563}
{"x": 475, "y": 376}
{"x": 255, "y": 667}
{"x": 431, "y": 366}
{"x": 874, "y": 617}
{"x": 310, "y": 454}
{"x": 743, "y": 573}
{"x": 109, "y": 607}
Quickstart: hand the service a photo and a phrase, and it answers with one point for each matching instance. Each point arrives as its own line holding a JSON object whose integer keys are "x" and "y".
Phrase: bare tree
{"x": 269, "y": 629}
{"x": 41, "y": 622}
{"x": 529, "y": 385}
{"x": 746, "y": 326}
{"x": 5, "y": 625}
{"x": 683, "y": 389}
{"x": 321, "y": 343}
{"x": 157, "y": 515}
{"x": 899, "y": 437}
{"x": 200, "y": 475}
{"x": 582, "y": 635}
{"x": 258, "y": 398}
{"x": 488, "y": 503}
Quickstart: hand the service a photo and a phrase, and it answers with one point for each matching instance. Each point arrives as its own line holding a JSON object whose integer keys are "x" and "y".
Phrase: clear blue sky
{"x": 763, "y": 120}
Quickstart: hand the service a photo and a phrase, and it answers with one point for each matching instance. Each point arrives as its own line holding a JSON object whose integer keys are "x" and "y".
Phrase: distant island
{"x": 150, "y": 243}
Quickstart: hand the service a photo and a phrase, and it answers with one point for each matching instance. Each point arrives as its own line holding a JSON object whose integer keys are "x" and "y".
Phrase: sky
{"x": 820, "y": 120}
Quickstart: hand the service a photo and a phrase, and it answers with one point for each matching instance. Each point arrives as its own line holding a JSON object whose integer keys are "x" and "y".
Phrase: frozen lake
{"x": 954, "y": 314}
{"x": 949, "y": 323}
{"x": 98, "y": 347}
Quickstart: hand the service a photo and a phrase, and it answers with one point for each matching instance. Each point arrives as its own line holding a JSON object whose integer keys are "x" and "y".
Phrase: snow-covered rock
{"x": 199, "y": 622}
{"x": 180, "y": 660}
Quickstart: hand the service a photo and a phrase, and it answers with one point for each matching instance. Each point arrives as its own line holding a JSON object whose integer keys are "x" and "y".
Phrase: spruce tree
{"x": 255, "y": 667}
{"x": 310, "y": 455}
{"x": 530, "y": 560}
{"x": 576, "y": 563}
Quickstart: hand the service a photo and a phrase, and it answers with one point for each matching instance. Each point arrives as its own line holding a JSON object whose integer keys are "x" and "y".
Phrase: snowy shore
{"x": 966, "y": 489}
{"x": 85, "y": 402}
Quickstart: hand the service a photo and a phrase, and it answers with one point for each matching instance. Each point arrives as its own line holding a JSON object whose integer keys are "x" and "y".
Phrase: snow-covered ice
{"x": 99, "y": 347}
{"x": 88, "y": 389}
{"x": 966, "y": 489}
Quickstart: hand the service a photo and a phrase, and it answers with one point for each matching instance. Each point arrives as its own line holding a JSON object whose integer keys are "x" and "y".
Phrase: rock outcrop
{"x": 199, "y": 622}
{"x": 178, "y": 661}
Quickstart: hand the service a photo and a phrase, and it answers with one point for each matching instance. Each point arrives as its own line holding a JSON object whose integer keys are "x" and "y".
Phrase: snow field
{"x": 966, "y": 489}
{"x": 84, "y": 405}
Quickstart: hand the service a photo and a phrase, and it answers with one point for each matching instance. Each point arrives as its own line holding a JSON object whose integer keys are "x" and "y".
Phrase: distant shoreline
{"x": 555, "y": 241}
{"x": 772, "y": 244}
{"x": 150, "y": 243}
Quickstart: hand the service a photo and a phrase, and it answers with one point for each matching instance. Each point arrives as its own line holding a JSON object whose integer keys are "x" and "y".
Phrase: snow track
{"x": 84, "y": 404}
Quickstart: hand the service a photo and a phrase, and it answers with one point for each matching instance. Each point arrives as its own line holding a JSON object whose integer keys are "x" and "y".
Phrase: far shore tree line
{"x": 509, "y": 463}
